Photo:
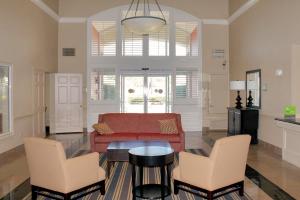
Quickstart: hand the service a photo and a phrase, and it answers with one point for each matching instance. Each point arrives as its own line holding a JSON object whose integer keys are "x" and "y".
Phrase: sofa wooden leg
{"x": 176, "y": 189}
{"x": 241, "y": 190}
{"x": 102, "y": 187}
{"x": 33, "y": 193}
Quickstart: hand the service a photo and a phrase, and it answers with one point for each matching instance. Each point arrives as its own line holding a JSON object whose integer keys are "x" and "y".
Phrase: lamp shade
{"x": 143, "y": 24}
{"x": 237, "y": 85}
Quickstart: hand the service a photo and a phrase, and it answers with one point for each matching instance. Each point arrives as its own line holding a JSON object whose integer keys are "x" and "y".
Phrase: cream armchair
{"x": 50, "y": 171}
{"x": 223, "y": 170}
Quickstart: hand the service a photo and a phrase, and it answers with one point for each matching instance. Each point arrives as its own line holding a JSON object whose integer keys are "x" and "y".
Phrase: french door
{"x": 146, "y": 93}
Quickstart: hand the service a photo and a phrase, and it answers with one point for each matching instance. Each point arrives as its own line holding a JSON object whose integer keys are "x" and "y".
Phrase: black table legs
{"x": 169, "y": 176}
{"x": 133, "y": 182}
{"x": 141, "y": 179}
{"x": 162, "y": 182}
{"x": 163, "y": 185}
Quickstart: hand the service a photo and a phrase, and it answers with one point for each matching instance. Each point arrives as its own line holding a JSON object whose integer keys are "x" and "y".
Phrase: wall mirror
{"x": 5, "y": 99}
{"x": 253, "y": 88}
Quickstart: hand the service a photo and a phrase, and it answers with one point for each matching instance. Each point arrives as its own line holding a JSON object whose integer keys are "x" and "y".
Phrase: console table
{"x": 243, "y": 121}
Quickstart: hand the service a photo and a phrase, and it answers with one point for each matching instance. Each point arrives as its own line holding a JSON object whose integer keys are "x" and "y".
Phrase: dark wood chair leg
{"x": 176, "y": 189}
{"x": 241, "y": 190}
{"x": 33, "y": 193}
{"x": 210, "y": 196}
{"x": 102, "y": 187}
{"x": 67, "y": 196}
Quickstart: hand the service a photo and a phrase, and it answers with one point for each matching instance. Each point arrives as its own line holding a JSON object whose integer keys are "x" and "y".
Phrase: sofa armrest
{"x": 181, "y": 132}
{"x": 195, "y": 169}
{"x": 82, "y": 171}
{"x": 92, "y": 140}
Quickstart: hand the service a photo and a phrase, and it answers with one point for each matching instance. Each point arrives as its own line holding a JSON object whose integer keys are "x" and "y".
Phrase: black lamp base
{"x": 250, "y": 99}
{"x": 238, "y": 101}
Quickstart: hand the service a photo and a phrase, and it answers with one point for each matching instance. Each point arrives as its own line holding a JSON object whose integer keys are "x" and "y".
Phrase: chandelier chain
{"x": 160, "y": 9}
{"x": 129, "y": 8}
{"x": 137, "y": 7}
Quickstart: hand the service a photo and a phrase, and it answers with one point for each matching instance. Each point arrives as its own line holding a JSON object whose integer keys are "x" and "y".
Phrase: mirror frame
{"x": 259, "y": 75}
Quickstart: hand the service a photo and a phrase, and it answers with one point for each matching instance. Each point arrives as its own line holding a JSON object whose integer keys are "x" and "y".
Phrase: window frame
{"x": 115, "y": 14}
{"x": 10, "y": 102}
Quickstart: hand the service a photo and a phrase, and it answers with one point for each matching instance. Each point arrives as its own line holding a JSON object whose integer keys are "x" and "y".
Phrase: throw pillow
{"x": 168, "y": 126}
{"x": 103, "y": 129}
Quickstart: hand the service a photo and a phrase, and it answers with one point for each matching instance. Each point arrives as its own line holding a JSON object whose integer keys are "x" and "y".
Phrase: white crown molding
{"x": 72, "y": 20}
{"x": 46, "y": 9}
{"x": 242, "y": 10}
{"x": 215, "y": 22}
{"x": 224, "y": 22}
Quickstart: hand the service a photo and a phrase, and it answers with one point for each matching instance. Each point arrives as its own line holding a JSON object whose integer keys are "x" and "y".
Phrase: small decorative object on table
{"x": 290, "y": 112}
{"x": 250, "y": 100}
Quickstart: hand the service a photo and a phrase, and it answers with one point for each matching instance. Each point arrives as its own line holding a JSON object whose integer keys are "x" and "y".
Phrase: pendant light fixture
{"x": 140, "y": 20}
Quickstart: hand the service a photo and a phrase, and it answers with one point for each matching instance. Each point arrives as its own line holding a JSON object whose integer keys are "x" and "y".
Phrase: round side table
{"x": 151, "y": 156}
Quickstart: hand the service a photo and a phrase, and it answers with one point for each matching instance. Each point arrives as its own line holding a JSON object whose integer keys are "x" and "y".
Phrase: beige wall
{"x": 74, "y": 36}
{"x": 53, "y": 4}
{"x": 217, "y": 9}
{"x": 234, "y": 5}
{"x": 262, "y": 38}
{"x": 214, "y": 37}
{"x": 28, "y": 41}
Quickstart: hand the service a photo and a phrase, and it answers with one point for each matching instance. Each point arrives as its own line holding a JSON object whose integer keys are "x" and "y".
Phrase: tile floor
{"x": 14, "y": 171}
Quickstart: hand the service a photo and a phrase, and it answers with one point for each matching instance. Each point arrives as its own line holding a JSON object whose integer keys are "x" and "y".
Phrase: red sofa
{"x": 133, "y": 126}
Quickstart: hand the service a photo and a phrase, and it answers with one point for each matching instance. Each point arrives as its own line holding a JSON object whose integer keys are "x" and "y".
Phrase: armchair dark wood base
{"x": 35, "y": 191}
{"x": 210, "y": 195}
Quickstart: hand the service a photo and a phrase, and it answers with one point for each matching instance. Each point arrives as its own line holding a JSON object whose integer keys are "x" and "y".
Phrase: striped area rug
{"x": 118, "y": 186}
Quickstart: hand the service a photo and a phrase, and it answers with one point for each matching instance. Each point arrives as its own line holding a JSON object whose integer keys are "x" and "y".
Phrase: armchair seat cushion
{"x": 176, "y": 173}
{"x": 101, "y": 174}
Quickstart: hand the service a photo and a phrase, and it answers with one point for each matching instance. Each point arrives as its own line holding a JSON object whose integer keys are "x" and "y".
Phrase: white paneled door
{"x": 39, "y": 104}
{"x": 68, "y": 103}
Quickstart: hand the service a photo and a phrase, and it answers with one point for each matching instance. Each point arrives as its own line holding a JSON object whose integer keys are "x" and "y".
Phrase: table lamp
{"x": 238, "y": 86}
{"x": 251, "y": 86}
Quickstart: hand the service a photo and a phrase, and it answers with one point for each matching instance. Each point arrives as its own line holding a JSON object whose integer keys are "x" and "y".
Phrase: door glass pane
{"x": 157, "y": 94}
{"x": 4, "y": 100}
{"x": 133, "y": 94}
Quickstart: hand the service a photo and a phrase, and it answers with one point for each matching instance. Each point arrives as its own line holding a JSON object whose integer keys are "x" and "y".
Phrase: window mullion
{"x": 146, "y": 45}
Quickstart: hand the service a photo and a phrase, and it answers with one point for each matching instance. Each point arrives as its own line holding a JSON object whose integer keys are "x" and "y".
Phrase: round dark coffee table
{"x": 151, "y": 156}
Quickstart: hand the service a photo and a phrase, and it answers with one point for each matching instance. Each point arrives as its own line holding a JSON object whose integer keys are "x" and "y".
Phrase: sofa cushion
{"x": 168, "y": 126}
{"x": 137, "y": 122}
{"x": 159, "y": 136}
{"x": 115, "y": 137}
{"x": 121, "y": 122}
{"x": 102, "y": 128}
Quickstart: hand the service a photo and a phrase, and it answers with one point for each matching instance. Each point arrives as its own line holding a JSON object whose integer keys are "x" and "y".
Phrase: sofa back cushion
{"x": 136, "y": 122}
{"x": 121, "y": 122}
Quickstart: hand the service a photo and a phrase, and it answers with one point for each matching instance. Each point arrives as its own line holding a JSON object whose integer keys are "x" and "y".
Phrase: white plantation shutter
{"x": 188, "y": 99}
{"x": 186, "y": 39}
{"x": 103, "y": 84}
{"x": 159, "y": 42}
{"x": 188, "y": 84}
{"x": 104, "y": 38}
{"x": 132, "y": 44}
